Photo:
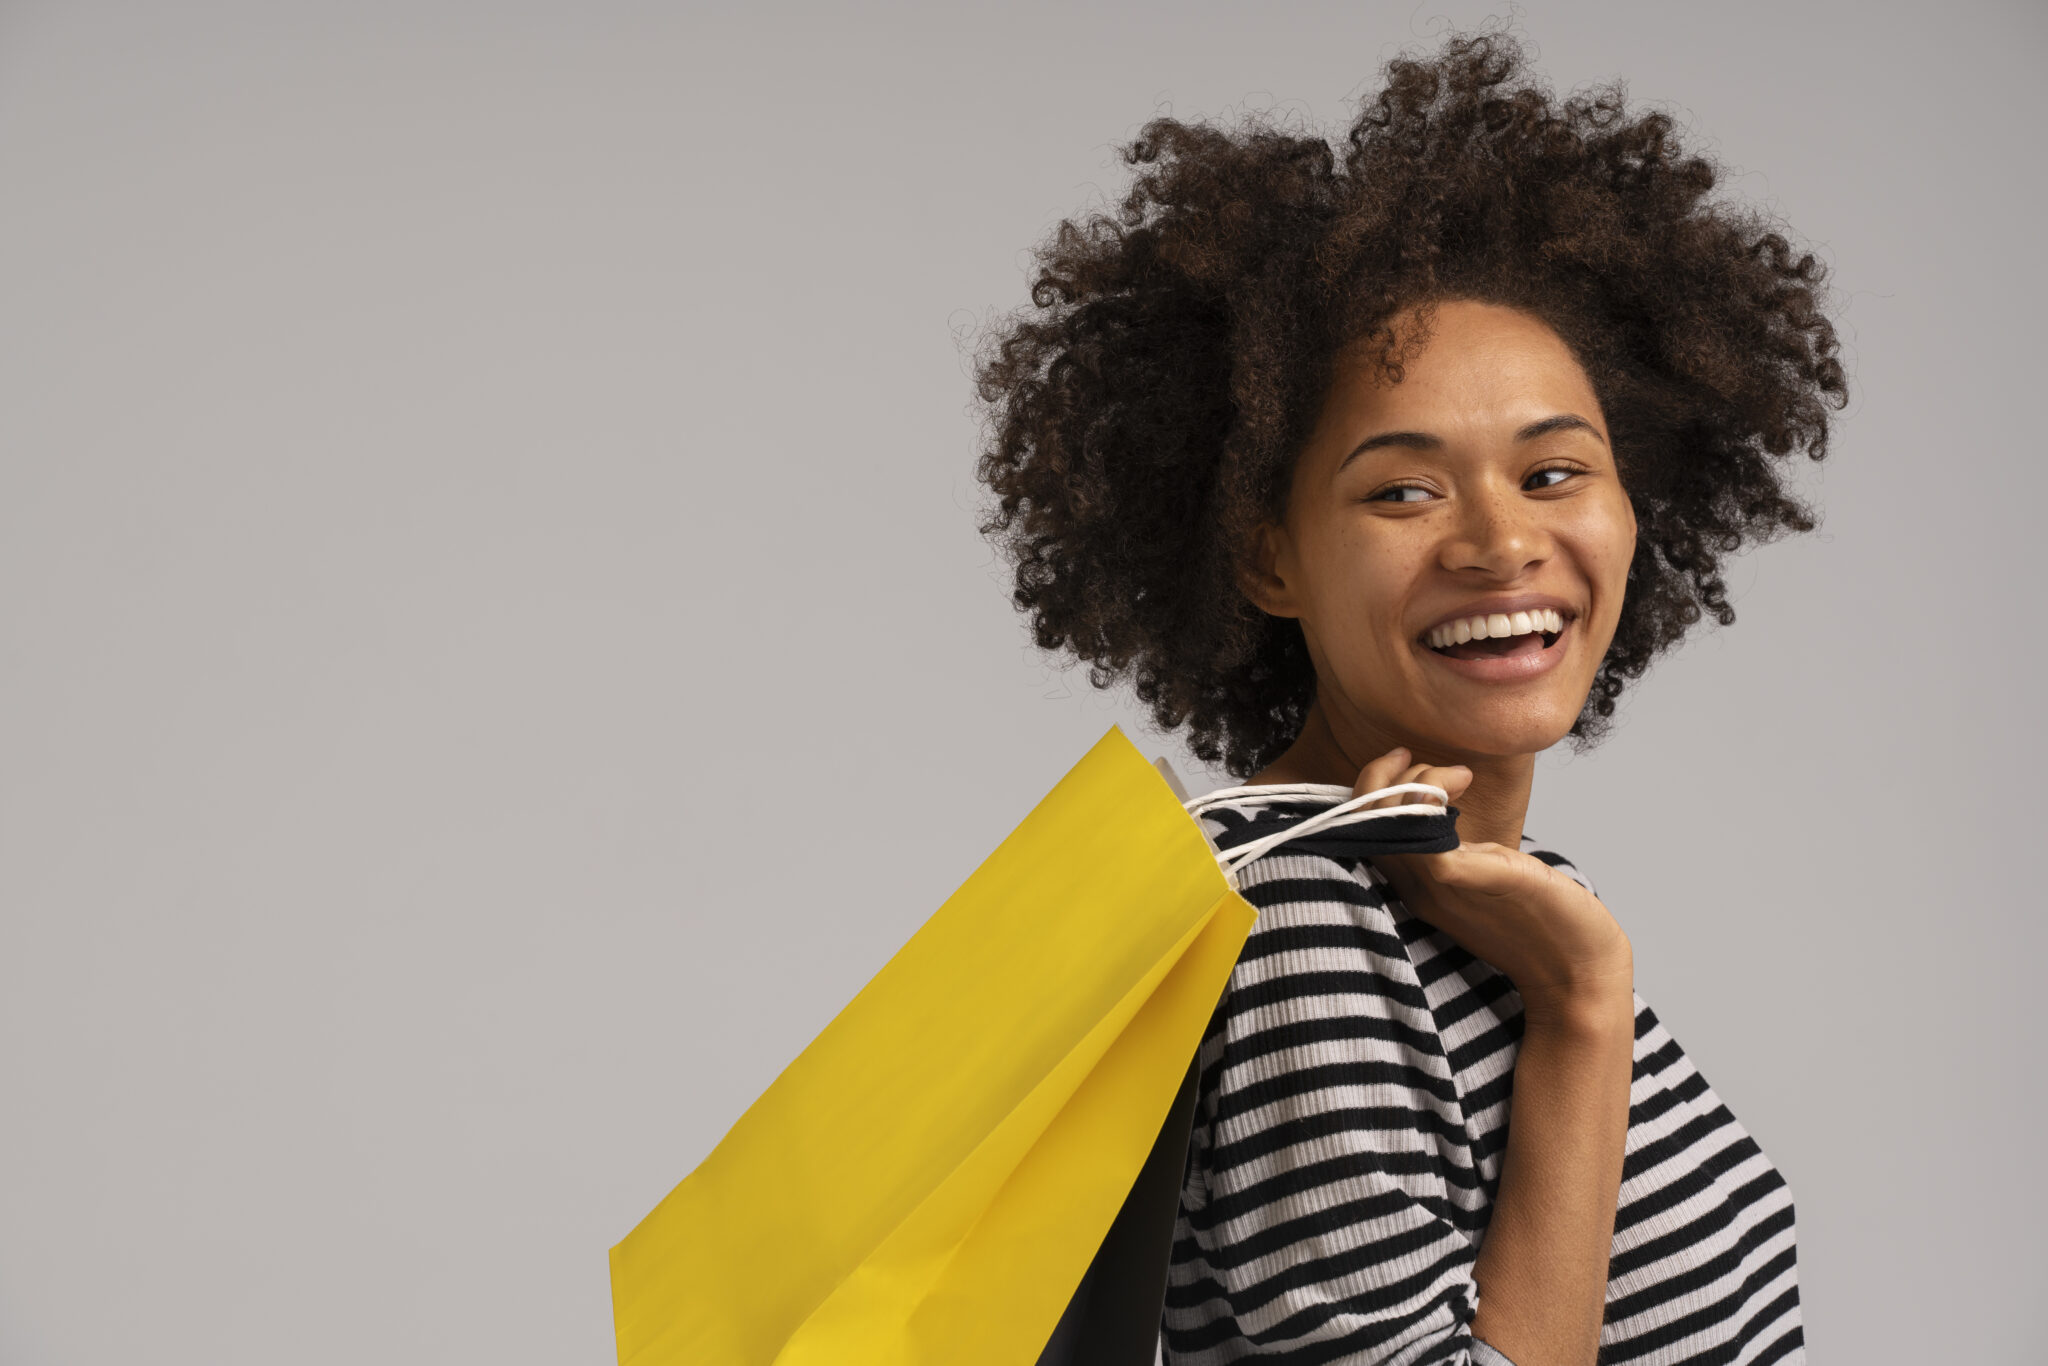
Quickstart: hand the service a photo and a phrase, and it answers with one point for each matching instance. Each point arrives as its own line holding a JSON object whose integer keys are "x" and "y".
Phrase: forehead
{"x": 1471, "y": 365}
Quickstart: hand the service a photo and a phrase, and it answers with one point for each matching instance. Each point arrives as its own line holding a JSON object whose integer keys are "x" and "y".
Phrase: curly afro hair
{"x": 1146, "y": 408}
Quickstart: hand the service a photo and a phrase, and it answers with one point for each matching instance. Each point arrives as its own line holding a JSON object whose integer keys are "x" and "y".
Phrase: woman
{"x": 1396, "y": 462}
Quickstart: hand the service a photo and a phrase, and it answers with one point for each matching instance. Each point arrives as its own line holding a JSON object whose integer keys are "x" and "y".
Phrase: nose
{"x": 1497, "y": 534}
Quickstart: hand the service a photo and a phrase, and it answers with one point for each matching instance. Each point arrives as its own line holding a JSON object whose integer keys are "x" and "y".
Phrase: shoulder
{"x": 1294, "y": 890}
{"x": 1310, "y": 901}
{"x": 1319, "y": 914}
{"x": 1328, "y": 946}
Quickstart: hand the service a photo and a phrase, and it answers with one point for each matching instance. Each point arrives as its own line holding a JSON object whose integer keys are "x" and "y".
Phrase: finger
{"x": 1410, "y": 774}
{"x": 1384, "y": 771}
{"x": 1452, "y": 778}
{"x": 1394, "y": 778}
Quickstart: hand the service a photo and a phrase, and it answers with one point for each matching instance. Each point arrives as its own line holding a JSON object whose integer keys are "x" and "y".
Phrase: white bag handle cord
{"x": 1344, "y": 813}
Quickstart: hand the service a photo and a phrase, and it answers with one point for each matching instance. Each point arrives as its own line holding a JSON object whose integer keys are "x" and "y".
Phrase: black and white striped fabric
{"x": 1348, "y": 1139}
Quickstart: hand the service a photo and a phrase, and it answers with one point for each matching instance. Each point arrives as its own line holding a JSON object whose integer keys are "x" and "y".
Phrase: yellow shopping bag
{"x": 927, "y": 1182}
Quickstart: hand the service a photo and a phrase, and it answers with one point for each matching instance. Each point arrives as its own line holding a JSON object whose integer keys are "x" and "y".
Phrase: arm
{"x": 1542, "y": 1268}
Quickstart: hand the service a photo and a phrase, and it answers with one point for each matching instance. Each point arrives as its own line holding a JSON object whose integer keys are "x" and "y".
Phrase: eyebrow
{"x": 1425, "y": 441}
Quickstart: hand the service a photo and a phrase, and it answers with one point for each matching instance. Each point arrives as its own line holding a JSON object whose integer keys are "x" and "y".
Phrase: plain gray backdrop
{"x": 496, "y": 650}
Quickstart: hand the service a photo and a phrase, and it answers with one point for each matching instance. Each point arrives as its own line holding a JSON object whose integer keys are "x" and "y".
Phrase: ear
{"x": 1267, "y": 577}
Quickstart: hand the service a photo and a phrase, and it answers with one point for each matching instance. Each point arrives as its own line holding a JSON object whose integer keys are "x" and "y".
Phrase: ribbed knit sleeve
{"x": 1333, "y": 1207}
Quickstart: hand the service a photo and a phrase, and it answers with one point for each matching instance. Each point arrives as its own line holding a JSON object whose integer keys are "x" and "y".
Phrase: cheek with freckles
{"x": 1358, "y": 620}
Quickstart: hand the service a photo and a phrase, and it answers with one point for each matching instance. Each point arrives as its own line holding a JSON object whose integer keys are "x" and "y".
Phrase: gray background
{"x": 496, "y": 652}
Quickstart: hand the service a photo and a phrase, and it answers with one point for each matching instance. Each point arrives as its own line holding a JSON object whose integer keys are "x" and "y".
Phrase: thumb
{"x": 1453, "y": 780}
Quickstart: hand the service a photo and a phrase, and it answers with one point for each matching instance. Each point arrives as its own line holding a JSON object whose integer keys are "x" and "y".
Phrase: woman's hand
{"x": 1554, "y": 939}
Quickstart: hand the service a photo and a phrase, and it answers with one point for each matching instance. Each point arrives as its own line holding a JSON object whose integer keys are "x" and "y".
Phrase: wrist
{"x": 1597, "y": 1004}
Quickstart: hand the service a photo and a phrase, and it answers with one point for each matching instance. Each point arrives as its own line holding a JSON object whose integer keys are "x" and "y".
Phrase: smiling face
{"x": 1456, "y": 546}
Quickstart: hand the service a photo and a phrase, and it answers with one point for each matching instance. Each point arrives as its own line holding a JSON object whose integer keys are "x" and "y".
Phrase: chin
{"x": 1507, "y": 732}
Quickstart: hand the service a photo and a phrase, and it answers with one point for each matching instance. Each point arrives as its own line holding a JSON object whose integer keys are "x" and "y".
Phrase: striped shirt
{"x": 1348, "y": 1138}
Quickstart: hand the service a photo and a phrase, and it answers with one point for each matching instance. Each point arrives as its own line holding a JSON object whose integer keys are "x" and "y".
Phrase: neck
{"x": 1335, "y": 748}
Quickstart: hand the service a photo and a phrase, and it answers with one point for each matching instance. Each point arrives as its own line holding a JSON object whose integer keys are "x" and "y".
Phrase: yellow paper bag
{"x": 927, "y": 1182}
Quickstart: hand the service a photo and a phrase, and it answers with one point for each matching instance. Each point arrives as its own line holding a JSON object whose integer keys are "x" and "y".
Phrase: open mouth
{"x": 1500, "y": 635}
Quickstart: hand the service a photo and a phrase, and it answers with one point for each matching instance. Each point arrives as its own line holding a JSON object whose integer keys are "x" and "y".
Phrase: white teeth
{"x": 1495, "y": 626}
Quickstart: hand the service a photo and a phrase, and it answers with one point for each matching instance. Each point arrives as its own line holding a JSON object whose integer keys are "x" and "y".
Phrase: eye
{"x": 1562, "y": 472}
{"x": 1399, "y": 493}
